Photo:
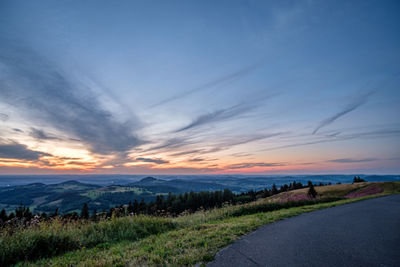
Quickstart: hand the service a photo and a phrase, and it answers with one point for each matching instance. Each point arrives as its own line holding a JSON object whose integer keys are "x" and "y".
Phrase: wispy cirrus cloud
{"x": 248, "y": 165}
{"x": 229, "y": 77}
{"x": 172, "y": 143}
{"x": 196, "y": 160}
{"x": 387, "y": 132}
{"x": 361, "y": 100}
{"x": 240, "y": 154}
{"x": 188, "y": 152}
{"x": 224, "y": 114}
{"x": 349, "y": 160}
{"x": 218, "y": 115}
{"x": 152, "y": 160}
{"x": 226, "y": 144}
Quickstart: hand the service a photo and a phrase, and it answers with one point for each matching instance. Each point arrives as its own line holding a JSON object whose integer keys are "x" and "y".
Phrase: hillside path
{"x": 365, "y": 233}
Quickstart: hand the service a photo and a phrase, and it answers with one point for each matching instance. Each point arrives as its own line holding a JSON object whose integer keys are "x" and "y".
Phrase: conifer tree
{"x": 3, "y": 215}
{"x": 311, "y": 190}
{"x": 142, "y": 206}
{"x": 94, "y": 215}
{"x": 85, "y": 212}
{"x": 130, "y": 207}
{"x": 274, "y": 189}
{"x": 135, "y": 206}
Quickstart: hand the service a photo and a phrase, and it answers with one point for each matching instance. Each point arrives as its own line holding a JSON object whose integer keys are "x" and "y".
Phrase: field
{"x": 144, "y": 240}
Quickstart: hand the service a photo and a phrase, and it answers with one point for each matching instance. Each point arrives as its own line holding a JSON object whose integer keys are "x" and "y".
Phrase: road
{"x": 365, "y": 233}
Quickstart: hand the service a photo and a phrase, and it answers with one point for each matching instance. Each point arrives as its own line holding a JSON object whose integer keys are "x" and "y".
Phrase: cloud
{"x": 218, "y": 115}
{"x": 41, "y": 135}
{"x": 252, "y": 165}
{"x": 224, "y": 114}
{"x": 45, "y": 93}
{"x": 347, "y": 160}
{"x": 343, "y": 137}
{"x": 15, "y": 150}
{"x": 229, "y": 77}
{"x": 17, "y": 130}
{"x": 153, "y": 160}
{"x": 196, "y": 160}
{"x": 240, "y": 154}
{"x": 248, "y": 139}
{"x": 188, "y": 152}
{"x": 3, "y": 117}
{"x": 172, "y": 143}
{"x": 226, "y": 144}
{"x": 349, "y": 108}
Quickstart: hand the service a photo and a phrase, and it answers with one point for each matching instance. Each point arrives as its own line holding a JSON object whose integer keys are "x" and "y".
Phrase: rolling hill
{"x": 70, "y": 196}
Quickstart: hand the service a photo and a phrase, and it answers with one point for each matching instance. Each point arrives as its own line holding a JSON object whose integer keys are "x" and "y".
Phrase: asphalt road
{"x": 365, "y": 233}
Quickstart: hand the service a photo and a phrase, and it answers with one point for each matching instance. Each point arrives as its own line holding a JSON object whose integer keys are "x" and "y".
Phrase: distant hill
{"x": 180, "y": 185}
{"x": 70, "y": 195}
{"x": 147, "y": 181}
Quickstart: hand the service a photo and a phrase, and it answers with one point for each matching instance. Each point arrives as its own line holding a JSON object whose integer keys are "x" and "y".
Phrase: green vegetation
{"x": 146, "y": 240}
{"x": 55, "y": 237}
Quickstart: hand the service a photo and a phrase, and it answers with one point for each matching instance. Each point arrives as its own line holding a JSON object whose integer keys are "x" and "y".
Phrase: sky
{"x": 199, "y": 87}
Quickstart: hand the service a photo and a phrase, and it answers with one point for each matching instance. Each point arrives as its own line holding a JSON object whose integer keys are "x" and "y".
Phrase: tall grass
{"x": 228, "y": 211}
{"x": 192, "y": 244}
{"x": 56, "y": 237}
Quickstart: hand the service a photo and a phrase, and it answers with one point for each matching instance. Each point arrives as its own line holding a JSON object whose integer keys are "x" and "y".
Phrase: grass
{"x": 57, "y": 237}
{"x": 185, "y": 240}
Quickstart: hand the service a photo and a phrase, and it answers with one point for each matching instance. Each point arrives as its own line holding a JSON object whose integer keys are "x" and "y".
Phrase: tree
{"x": 159, "y": 202}
{"x": 274, "y": 189}
{"x": 135, "y": 206}
{"x": 130, "y": 207}
{"x": 94, "y": 215}
{"x": 11, "y": 216}
{"x": 23, "y": 212}
{"x": 85, "y": 212}
{"x": 3, "y": 215}
{"x": 44, "y": 215}
{"x": 357, "y": 179}
{"x": 265, "y": 193}
{"x": 55, "y": 214}
{"x": 19, "y": 212}
{"x": 142, "y": 206}
{"x": 311, "y": 190}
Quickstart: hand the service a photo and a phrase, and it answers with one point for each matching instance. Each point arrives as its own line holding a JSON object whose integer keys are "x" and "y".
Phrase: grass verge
{"x": 56, "y": 237}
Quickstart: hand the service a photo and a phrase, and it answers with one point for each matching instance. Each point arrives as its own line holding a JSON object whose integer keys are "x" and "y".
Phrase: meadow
{"x": 188, "y": 239}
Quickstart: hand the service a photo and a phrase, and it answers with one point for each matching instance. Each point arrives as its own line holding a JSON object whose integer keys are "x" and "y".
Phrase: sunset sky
{"x": 199, "y": 87}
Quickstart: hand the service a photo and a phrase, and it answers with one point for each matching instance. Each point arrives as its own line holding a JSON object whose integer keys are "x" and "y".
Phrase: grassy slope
{"x": 197, "y": 237}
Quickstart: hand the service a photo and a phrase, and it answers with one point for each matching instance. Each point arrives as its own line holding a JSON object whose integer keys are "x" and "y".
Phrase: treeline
{"x": 163, "y": 205}
{"x": 189, "y": 202}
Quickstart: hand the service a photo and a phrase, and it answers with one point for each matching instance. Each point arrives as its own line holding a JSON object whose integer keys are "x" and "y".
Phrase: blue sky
{"x": 199, "y": 87}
